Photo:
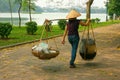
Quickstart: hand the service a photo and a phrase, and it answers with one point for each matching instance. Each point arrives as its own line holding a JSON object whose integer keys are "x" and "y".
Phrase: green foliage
{"x": 26, "y": 3}
{"x": 62, "y": 24}
{"x": 17, "y": 34}
{"x": 113, "y": 7}
{"x": 97, "y": 20}
{"x": 5, "y": 30}
{"x": 31, "y": 27}
{"x": 4, "y": 6}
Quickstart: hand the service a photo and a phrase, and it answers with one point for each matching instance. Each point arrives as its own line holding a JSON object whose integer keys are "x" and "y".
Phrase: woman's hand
{"x": 64, "y": 35}
{"x": 85, "y": 23}
{"x": 63, "y": 41}
{"x": 88, "y": 19}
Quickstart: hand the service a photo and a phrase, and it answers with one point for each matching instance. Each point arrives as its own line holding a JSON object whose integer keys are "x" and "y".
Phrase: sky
{"x": 68, "y": 3}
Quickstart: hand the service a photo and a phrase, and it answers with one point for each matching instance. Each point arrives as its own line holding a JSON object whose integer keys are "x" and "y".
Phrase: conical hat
{"x": 73, "y": 14}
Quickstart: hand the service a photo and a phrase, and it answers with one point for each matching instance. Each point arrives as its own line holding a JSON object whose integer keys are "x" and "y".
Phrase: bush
{"x": 5, "y": 30}
{"x": 62, "y": 24}
{"x": 31, "y": 27}
{"x": 97, "y": 20}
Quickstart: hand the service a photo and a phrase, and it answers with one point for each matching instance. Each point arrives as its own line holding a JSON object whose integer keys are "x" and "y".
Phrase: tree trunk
{"x": 88, "y": 9}
{"x": 30, "y": 10}
{"x": 19, "y": 14}
{"x": 11, "y": 12}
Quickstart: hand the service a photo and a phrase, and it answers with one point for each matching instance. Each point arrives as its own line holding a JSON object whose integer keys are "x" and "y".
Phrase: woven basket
{"x": 45, "y": 56}
{"x": 87, "y": 49}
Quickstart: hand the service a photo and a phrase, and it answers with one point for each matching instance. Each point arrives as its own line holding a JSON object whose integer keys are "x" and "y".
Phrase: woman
{"x": 73, "y": 35}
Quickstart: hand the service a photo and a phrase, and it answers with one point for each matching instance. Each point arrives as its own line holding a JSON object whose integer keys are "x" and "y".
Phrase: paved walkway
{"x": 18, "y": 63}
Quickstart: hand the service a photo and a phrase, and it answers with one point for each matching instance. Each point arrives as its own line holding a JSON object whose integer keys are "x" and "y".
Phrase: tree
{"x": 11, "y": 12}
{"x": 19, "y": 10}
{"x": 29, "y": 5}
{"x": 114, "y": 8}
{"x": 88, "y": 11}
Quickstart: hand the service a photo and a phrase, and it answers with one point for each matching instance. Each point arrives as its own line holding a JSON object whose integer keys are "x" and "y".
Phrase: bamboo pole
{"x": 57, "y": 19}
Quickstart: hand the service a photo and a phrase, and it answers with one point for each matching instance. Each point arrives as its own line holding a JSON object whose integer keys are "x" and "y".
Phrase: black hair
{"x": 71, "y": 20}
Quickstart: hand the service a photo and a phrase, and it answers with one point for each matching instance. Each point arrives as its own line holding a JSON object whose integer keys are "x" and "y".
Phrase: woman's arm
{"x": 64, "y": 35}
{"x": 85, "y": 23}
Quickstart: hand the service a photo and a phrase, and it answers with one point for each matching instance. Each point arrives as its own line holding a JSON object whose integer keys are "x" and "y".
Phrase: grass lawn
{"x": 19, "y": 35}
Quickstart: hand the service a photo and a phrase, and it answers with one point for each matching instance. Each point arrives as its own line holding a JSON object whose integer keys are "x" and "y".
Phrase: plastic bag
{"x": 41, "y": 47}
{"x": 43, "y": 52}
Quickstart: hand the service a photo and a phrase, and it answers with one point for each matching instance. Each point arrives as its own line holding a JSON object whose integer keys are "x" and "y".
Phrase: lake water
{"x": 39, "y": 18}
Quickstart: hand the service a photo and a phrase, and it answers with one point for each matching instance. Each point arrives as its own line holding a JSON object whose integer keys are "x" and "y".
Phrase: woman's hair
{"x": 71, "y": 20}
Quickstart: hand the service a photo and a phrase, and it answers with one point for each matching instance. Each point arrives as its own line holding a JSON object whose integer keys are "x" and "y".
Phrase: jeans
{"x": 74, "y": 41}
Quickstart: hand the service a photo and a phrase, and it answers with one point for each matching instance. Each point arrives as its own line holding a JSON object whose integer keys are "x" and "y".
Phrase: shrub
{"x": 31, "y": 27}
{"x": 62, "y": 24}
{"x": 5, "y": 30}
{"x": 97, "y": 20}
